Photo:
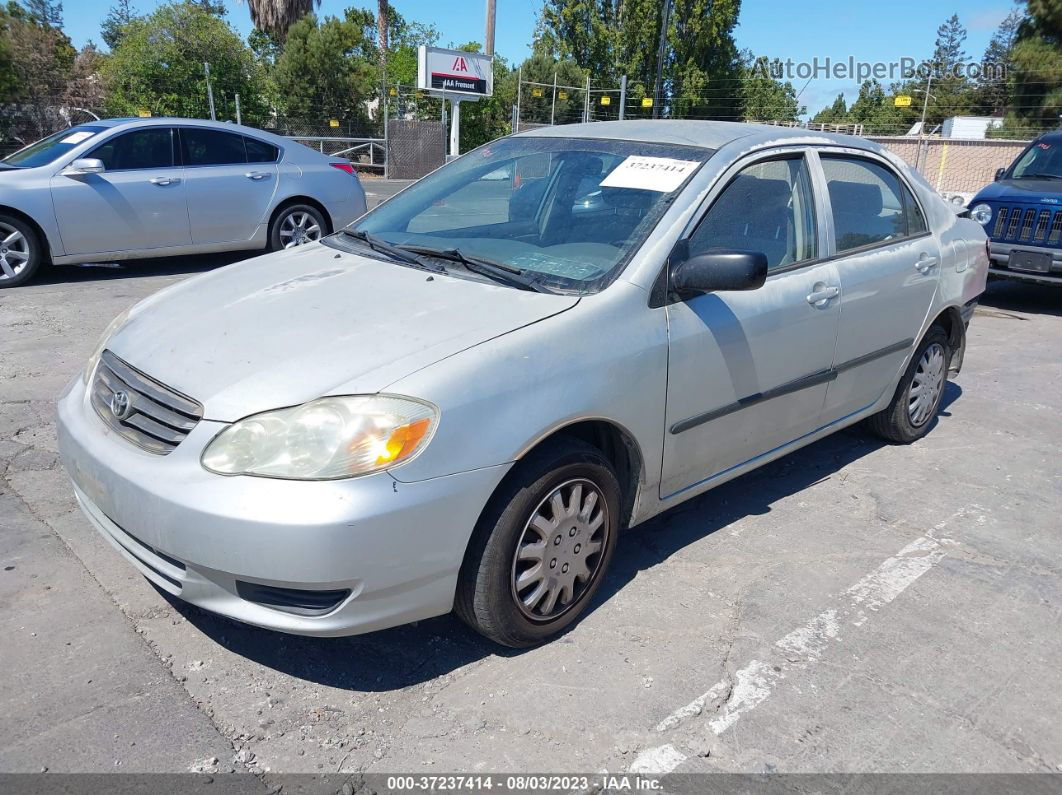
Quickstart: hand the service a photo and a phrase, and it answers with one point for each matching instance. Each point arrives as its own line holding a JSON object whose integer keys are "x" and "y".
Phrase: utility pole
{"x": 238, "y": 119}
{"x": 660, "y": 53}
{"x": 488, "y": 42}
{"x": 922, "y": 145}
{"x": 553, "y": 108}
{"x": 623, "y": 96}
{"x": 210, "y": 91}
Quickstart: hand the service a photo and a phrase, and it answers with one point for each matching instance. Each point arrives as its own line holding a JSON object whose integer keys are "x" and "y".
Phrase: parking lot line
{"x": 753, "y": 684}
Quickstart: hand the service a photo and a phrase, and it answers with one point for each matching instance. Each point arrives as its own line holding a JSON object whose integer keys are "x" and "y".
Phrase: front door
{"x": 228, "y": 197}
{"x": 747, "y": 371}
{"x": 889, "y": 264}
{"x": 137, "y": 203}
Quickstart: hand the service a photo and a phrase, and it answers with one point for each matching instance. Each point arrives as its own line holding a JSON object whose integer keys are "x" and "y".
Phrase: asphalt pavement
{"x": 853, "y": 606}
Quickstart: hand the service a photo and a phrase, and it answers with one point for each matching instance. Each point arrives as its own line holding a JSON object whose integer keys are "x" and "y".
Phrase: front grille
{"x": 147, "y": 413}
{"x": 1027, "y": 225}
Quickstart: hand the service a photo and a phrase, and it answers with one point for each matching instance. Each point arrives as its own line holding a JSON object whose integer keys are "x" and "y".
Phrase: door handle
{"x": 821, "y": 294}
{"x": 164, "y": 180}
{"x": 256, "y": 175}
{"x": 926, "y": 264}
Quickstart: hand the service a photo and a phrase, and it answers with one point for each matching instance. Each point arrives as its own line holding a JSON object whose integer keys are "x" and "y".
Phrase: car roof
{"x": 708, "y": 134}
{"x": 155, "y": 121}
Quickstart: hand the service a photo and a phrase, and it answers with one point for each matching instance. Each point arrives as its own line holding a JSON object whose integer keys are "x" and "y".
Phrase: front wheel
{"x": 296, "y": 225}
{"x": 918, "y": 395}
{"x": 20, "y": 251}
{"x": 542, "y": 547}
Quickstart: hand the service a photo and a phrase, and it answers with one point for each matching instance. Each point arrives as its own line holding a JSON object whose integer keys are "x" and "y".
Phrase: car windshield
{"x": 1042, "y": 160}
{"x": 560, "y": 213}
{"x": 51, "y": 148}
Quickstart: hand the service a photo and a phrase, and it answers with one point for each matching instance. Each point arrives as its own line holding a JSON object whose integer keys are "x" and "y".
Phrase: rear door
{"x": 137, "y": 203}
{"x": 747, "y": 371}
{"x": 228, "y": 196}
{"x": 888, "y": 263}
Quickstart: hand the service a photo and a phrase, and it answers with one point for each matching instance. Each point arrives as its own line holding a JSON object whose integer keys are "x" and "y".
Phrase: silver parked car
{"x": 125, "y": 188}
{"x": 459, "y": 402}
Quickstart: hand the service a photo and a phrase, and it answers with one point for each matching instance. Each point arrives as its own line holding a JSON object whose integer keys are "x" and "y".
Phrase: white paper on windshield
{"x": 661, "y": 174}
{"x": 76, "y": 138}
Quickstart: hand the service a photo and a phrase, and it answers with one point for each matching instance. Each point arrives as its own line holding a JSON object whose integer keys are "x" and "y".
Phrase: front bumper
{"x": 390, "y": 550}
{"x": 1000, "y": 261}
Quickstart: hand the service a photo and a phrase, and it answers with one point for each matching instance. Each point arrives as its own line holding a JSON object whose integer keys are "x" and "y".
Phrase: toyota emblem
{"x": 121, "y": 405}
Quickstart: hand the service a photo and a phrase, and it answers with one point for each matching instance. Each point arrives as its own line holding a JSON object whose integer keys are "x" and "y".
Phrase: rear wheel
{"x": 20, "y": 251}
{"x": 542, "y": 547}
{"x": 918, "y": 395}
{"x": 296, "y": 225}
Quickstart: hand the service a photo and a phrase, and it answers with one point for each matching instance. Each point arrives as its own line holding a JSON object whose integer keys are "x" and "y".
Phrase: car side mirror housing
{"x": 716, "y": 270}
{"x": 86, "y": 165}
{"x": 999, "y": 173}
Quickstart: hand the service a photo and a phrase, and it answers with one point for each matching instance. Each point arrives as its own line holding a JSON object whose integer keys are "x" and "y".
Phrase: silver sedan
{"x": 459, "y": 402}
{"x": 125, "y": 188}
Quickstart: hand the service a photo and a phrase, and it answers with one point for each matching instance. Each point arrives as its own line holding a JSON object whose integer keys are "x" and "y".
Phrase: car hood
{"x": 1022, "y": 190}
{"x": 285, "y": 328}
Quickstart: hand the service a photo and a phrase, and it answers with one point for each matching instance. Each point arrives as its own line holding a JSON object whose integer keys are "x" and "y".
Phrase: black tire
{"x": 894, "y": 423}
{"x": 29, "y": 245}
{"x": 486, "y": 596}
{"x": 276, "y": 228}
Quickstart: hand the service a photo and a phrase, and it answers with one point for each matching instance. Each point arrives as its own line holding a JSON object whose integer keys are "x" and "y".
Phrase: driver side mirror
{"x": 715, "y": 270}
{"x": 999, "y": 173}
{"x": 86, "y": 165}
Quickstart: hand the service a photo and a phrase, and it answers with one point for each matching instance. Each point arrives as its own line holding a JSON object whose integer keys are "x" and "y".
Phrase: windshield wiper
{"x": 394, "y": 252}
{"x": 498, "y": 271}
{"x": 1041, "y": 176}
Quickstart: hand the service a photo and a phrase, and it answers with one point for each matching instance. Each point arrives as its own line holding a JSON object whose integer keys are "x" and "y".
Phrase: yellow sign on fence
{"x": 606, "y": 100}
{"x": 902, "y": 101}
{"x": 536, "y": 92}
{"x": 333, "y": 122}
{"x": 647, "y": 102}
{"x": 562, "y": 95}
{"x": 144, "y": 113}
{"x": 393, "y": 92}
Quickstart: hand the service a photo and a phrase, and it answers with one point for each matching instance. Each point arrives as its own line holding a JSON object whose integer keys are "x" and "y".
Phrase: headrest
{"x": 855, "y": 196}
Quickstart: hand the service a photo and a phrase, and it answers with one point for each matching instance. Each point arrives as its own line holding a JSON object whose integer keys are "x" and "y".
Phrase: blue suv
{"x": 1022, "y": 214}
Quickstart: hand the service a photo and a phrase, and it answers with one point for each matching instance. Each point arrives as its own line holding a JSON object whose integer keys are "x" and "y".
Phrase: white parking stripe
{"x": 752, "y": 684}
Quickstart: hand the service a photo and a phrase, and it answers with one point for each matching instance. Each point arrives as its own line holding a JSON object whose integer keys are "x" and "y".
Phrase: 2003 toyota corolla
{"x": 459, "y": 402}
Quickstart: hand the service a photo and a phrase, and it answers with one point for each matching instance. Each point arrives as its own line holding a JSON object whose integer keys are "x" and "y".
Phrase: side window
{"x": 916, "y": 222}
{"x": 768, "y": 207}
{"x": 205, "y": 147}
{"x": 260, "y": 151}
{"x": 151, "y": 147}
{"x": 867, "y": 202}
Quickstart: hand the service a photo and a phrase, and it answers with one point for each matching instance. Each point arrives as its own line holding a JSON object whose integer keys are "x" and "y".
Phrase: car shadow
{"x": 139, "y": 268}
{"x": 397, "y": 658}
{"x": 1017, "y": 296}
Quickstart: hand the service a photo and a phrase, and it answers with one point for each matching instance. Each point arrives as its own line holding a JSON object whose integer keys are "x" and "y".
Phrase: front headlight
{"x": 981, "y": 213}
{"x": 114, "y": 325}
{"x": 326, "y": 439}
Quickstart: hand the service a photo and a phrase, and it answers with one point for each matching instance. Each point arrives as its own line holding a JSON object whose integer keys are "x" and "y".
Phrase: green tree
{"x": 541, "y": 67}
{"x": 45, "y": 12}
{"x": 837, "y": 113}
{"x": 276, "y": 17}
{"x": 327, "y": 68}
{"x": 993, "y": 88}
{"x": 607, "y": 38}
{"x": 113, "y": 25}
{"x": 404, "y": 38}
{"x": 158, "y": 65}
{"x": 762, "y": 96}
{"x": 874, "y": 109}
{"x": 951, "y": 92}
{"x": 42, "y": 60}
{"x": 1037, "y": 68}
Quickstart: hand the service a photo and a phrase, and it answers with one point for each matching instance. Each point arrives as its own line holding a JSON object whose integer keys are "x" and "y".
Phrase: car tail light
{"x": 344, "y": 166}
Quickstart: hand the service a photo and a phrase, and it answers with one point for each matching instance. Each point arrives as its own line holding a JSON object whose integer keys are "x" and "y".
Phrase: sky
{"x": 835, "y": 29}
